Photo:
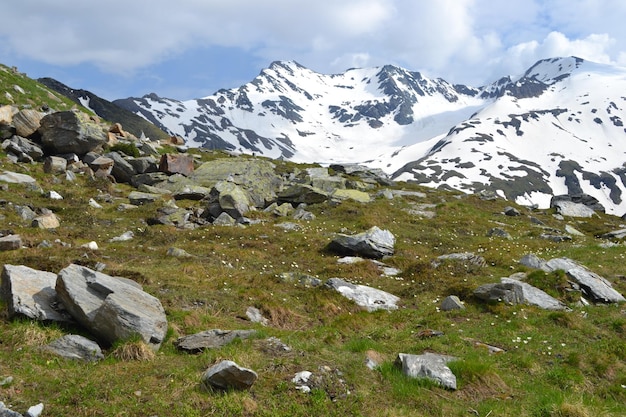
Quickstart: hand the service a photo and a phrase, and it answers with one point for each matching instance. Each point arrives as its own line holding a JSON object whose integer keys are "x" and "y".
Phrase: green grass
{"x": 34, "y": 95}
{"x": 554, "y": 364}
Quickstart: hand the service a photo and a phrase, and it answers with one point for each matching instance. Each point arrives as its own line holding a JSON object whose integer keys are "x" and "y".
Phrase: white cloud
{"x": 519, "y": 57}
{"x": 460, "y": 40}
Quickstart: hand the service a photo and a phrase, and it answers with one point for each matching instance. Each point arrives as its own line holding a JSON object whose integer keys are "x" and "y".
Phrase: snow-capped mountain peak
{"x": 555, "y": 129}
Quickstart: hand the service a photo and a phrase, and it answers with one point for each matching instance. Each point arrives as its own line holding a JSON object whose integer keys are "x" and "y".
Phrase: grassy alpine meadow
{"x": 548, "y": 364}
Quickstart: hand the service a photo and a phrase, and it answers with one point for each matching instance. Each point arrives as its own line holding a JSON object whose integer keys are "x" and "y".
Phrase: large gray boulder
{"x": 428, "y": 365}
{"x": 256, "y": 176}
{"x": 374, "y": 243}
{"x": 369, "y": 298}
{"x": 571, "y": 209}
{"x": 534, "y": 296}
{"x": 70, "y": 132}
{"x": 598, "y": 288}
{"x": 122, "y": 170}
{"x": 594, "y": 286}
{"x": 31, "y": 293}
{"x": 27, "y": 122}
{"x": 228, "y": 375}
{"x": 111, "y": 308}
{"x": 232, "y": 198}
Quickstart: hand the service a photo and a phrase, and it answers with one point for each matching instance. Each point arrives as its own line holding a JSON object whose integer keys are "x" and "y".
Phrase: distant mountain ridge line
{"x": 555, "y": 129}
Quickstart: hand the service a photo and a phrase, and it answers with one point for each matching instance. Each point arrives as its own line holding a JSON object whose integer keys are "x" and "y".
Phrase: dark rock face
{"x": 70, "y": 132}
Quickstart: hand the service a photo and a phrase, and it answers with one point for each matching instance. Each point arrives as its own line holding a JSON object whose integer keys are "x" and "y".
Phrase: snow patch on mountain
{"x": 556, "y": 129}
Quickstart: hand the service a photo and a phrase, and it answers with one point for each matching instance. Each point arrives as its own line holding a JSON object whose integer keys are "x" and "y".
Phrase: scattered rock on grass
{"x": 374, "y": 243}
{"x": 367, "y": 297}
{"x": 594, "y": 286}
{"x": 428, "y": 365}
{"x": 10, "y": 242}
{"x": 228, "y": 375}
{"x": 450, "y": 303}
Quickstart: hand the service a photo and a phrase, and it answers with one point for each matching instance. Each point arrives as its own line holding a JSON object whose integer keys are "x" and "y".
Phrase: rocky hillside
{"x": 556, "y": 129}
{"x": 141, "y": 279}
{"x": 18, "y": 89}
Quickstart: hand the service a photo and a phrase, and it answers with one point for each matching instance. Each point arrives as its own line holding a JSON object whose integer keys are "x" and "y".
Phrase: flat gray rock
{"x": 534, "y": 296}
{"x": 15, "y": 178}
{"x": 367, "y": 297}
{"x": 428, "y": 365}
{"x": 615, "y": 234}
{"x": 211, "y": 339}
{"x": 138, "y": 198}
{"x": 466, "y": 257}
{"x": 571, "y": 209}
{"x": 74, "y": 346}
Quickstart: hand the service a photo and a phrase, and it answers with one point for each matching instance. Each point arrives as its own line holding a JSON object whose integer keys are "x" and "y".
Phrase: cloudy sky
{"x": 190, "y": 48}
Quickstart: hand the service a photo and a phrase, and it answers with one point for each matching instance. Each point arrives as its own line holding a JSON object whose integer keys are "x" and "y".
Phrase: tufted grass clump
{"x": 133, "y": 350}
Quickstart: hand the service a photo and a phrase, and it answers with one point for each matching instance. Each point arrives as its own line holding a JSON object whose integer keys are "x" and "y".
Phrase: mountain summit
{"x": 556, "y": 129}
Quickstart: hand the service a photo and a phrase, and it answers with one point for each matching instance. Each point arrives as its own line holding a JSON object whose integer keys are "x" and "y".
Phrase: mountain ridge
{"x": 398, "y": 120}
{"x": 105, "y": 109}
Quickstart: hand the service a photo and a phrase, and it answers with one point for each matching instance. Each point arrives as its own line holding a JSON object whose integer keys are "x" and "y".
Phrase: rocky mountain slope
{"x": 138, "y": 277}
{"x": 556, "y": 129}
{"x": 107, "y": 110}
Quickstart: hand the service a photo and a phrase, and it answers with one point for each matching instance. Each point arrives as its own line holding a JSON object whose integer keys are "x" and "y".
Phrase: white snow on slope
{"x": 526, "y": 127}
